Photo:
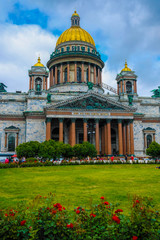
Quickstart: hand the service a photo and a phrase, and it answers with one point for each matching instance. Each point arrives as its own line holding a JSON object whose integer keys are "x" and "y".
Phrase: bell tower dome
{"x": 126, "y": 82}
{"x": 38, "y": 78}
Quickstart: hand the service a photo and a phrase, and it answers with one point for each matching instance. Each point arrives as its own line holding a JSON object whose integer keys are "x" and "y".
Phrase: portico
{"x": 104, "y": 123}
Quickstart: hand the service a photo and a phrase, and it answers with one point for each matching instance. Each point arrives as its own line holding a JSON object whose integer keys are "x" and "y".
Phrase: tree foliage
{"x": 51, "y": 150}
{"x": 28, "y": 149}
{"x": 153, "y": 150}
{"x": 84, "y": 150}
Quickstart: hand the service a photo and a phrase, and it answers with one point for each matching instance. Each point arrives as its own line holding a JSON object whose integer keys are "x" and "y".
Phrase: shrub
{"x": 45, "y": 219}
{"x": 153, "y": 150}
{"x": 31, "y": 160}
{"x": 28, "y": 149}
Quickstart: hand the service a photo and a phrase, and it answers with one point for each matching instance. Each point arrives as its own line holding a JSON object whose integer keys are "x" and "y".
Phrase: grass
{"x": 80, "y": 185}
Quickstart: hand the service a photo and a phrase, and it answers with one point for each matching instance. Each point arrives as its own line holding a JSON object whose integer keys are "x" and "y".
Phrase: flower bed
{"x": 71, "y": 162}
{"x": 45, "y": 219}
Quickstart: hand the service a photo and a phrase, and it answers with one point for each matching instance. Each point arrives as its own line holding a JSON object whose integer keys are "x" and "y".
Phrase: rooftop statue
{"x": 90, "y": 85}
{"x": 156, "y": 93}
{"x": 2, "y": 87}
{"x": 130, "y": 99}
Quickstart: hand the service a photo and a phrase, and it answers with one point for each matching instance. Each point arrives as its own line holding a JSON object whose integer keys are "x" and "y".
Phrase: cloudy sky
{"x": 121, "y": 29}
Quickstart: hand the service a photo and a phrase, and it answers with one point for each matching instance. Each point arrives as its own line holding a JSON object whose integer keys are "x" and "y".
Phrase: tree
{"x": 89, "y": 150}
{"x": 47, "y": 149}
{"x": 67, "y": 151}
{"x": 28, "y": 149}
{"x": 153, "y": 150}
{"x": 84, "y": 150}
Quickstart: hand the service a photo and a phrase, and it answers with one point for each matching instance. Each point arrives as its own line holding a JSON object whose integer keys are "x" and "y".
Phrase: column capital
{"x": 61, "y": 119}
{"x": 131, "y": 121}
{"x": 85, "y": 120}
{"x": 108, "y": 120}
{"x": 119, "y": 120}
{"x": 48, "y": 119}
{"x": 97, "y": 120}
{"x": 73, "y": 119}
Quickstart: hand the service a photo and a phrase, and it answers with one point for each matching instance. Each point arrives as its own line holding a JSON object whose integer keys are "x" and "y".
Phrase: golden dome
{"x": 75, "y": 14}
{"x": 39, "y": 64}
{"x": 75, "y": 33}
{"x": 126, "y": 68}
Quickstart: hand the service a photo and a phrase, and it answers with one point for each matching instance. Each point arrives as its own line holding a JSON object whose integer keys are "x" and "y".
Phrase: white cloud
{"x": 20, "y": 47}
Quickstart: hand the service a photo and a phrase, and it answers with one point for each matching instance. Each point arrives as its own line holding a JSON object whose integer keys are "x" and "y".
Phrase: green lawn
{"x": 80, "y": 185}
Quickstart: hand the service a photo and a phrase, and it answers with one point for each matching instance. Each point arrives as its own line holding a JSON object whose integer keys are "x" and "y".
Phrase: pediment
{"x": 91, "y": 101}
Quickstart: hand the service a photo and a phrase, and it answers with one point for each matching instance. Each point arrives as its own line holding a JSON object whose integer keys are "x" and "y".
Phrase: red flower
{"x": 54, "y": 211}
{"x": 101, "y": 197}
{"x": 134, "y": 238}
{"x": 78, "y": 207}
{"x": 137, "y": 201}
{"x": 70, "y": 225}
{"x": 118, "y": 210}
{"x": 116, "y": 219}
{"x": 11, "y": 214}
{"x": 6, "y": 215}
{"x": 23, "y": 222}
{"x": 48, "y": 208}
{"x": 92, "y": 215}
{"x": 106, "y": 203}
{"x": 57, "y": 205}
{"x": 64, "y": 208}
{"x": 60, "y": 209}
{"x": 77, "y": 211}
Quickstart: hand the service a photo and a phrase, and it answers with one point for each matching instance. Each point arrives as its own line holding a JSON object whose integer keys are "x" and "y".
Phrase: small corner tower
{"x": 38, "y": 78}
{"x": 126, "y": 82}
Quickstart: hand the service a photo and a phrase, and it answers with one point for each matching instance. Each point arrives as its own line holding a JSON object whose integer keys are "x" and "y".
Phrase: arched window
{"x": 65, "y": 75}
{"x": 11, "y": 142}
{"x": 128, "y": 87}
{"x": 78, "y": 74}
{"x": 58, "y": 76}
{"x": 87, "y": 75}
{"x": 149, "y": 140}
{"x": 38, "y": 85}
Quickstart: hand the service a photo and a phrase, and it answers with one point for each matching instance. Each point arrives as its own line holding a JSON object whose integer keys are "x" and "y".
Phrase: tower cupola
{"x": 126, "y": 82}
{"x": 75, "y": 19}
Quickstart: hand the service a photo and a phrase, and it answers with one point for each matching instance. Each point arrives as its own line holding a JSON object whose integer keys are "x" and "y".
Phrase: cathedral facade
{"x": 68, "y": 103}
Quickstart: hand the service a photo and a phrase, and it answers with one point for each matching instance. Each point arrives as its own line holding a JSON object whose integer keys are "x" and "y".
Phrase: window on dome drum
{"x": 78, "y": 74}
{"x": 78, "y": 48}
{"x": 88, "y": 49}
{"x": 68, "y": 48}
{"x": 65, "y": 75}
{"x": 62, "y": 49}
{"x": 75, "y": 21}
{"x": 83, "y": 48}
{"x": 149, "y": 140}
{"x": 38, "y": 85}
{"x": 87, "y": 75}
{"x": 128, "y": 87}
{"x": 58, "y": 76}
{"x": 11, "y": 142}
{"x": 73, "y": 48}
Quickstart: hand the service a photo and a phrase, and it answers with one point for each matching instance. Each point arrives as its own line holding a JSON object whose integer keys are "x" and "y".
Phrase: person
{"x": 6, "y": 161}
{"x": 126, "y": 157}
{"x": 112, "y": 158}
{"x": 132, "y": 158}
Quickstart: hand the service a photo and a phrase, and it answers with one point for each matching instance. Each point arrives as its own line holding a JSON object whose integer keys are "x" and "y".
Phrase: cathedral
{"x": 66, "y": 101}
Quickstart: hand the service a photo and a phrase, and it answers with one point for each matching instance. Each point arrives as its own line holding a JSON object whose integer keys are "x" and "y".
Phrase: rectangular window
{"x": 88, "y": 49}
{"x": 73, "y": 48}
{"x": 68, "y": 48}
{"x": 62, "y": 49}
{"x": 78, "y": 48}
{"x": 83, "y": 48}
